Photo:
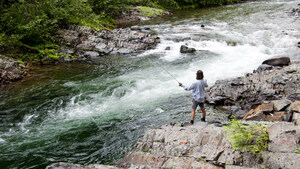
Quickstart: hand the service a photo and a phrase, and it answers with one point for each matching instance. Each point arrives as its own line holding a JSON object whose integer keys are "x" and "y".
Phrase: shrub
{"x": 253, "y": 138}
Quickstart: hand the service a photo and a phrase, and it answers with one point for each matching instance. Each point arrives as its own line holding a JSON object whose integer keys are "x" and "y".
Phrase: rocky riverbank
{"x": 270, "y": 83}
{"x": 83, "y": 44}
{"x": 87, "y": 43}
{"x": 205, "y": 146}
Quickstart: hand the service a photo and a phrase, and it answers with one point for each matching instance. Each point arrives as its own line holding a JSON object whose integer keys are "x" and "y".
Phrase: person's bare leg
{"x": 192, "y": 115}
{"x": 203, "y": 112}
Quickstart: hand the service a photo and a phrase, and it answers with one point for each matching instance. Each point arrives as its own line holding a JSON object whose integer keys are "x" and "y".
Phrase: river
{"x": 82, "y": 113}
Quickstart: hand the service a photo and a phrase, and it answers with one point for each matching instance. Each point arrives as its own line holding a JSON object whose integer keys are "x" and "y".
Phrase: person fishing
{"x": 198, "y": 95}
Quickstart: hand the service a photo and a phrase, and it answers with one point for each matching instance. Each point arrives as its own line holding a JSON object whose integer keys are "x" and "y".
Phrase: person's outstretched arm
{"x": 187, "y": 88}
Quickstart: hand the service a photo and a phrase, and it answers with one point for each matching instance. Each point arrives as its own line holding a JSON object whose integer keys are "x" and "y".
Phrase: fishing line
{"x": 155, "y": 63}
{"x": 95, "y": 122}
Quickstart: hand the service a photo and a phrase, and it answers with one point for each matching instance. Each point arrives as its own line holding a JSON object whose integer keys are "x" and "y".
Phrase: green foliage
{"x": 297, "y": 150}
{"x": 253, "y": 138}
{"x": 149, "y": 12}
{"x": 28, "y": 23}
{"x": 27, "y": 27}
{"x": 20, "y": 61}
{"x": 54, "y": 57}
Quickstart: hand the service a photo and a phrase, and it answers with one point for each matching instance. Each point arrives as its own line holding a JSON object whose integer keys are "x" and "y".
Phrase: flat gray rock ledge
{"x": 205, "y": 146}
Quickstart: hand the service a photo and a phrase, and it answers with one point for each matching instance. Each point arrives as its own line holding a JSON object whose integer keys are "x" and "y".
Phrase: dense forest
{"x": 28, "y": 27}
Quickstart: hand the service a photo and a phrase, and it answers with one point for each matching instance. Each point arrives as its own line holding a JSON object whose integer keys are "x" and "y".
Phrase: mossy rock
{"x": 149, "y": 12}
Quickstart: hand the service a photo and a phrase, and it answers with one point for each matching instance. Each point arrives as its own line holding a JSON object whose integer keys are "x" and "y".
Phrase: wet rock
{"x": 278, "y": 61}
{"x": 168, "y": 48}
{"x": 284, "y": 137}
{"x": 185, "y": 49}
{"x": 262, "y": 68}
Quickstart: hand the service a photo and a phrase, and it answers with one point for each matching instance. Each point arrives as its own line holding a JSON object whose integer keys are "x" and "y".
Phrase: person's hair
{"x": 199, "y": 75}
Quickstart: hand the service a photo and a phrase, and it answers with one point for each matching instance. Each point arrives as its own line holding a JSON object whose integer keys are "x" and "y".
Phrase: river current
{"x": 83, "y": 113}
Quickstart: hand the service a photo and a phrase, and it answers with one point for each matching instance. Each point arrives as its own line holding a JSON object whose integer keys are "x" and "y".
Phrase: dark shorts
{"x": 195, "y": 104}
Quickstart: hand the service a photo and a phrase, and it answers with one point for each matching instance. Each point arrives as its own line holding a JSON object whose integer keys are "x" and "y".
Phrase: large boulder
{"x": 284, "y": 137}
{"x": 278, "y": 61}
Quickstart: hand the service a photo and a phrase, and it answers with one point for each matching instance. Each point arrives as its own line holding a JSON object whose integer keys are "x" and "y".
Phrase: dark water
{"x": 86, "y": 114}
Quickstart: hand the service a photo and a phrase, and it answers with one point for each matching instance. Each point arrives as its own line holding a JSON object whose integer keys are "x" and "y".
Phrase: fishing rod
{"x": 155, "y": 63}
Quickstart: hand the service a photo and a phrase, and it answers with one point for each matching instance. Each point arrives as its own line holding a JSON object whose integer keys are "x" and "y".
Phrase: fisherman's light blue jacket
{"x": 198, "y": 90}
